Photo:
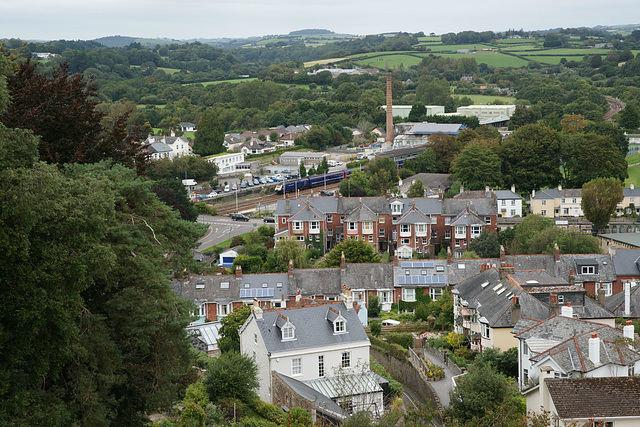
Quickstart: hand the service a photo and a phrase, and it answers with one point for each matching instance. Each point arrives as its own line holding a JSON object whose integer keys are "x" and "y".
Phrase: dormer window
{"x": 339, "y": 326}
{"x": 396, "y": 208}
{"x": 287, "y": 329}
{"x": 287, "y": 333}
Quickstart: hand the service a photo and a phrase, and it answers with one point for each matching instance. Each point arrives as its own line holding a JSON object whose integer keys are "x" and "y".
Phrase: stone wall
{"x": 283, "y": 395}
{"x": 406, "y": 373}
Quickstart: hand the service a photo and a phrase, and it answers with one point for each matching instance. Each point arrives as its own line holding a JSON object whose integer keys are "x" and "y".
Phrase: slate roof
{"x": 308, "y": 393}
{"x": 554, "y": 193}
{"x": 429, "y": 181}
{"x": 312, "y": 329}
{"x": 615, "y": 303}
{"x": 627, "y": 262}
{"x": 472, "y": 266}
{"x": 631, "y": 239}
{"x": 572, "y": 354}
{"x": 483, "y": 206}
{"x": 606, "y": 269}
{"x": 316, "y": 281}
{"x": 209, "y": 288}
{"x": 607, "y": 397}
{"x": 493, "y": 300}
{"x": 368, "y": 276}
{"x": 159, "y": 147}
{"x": 467, "y": 219}
{"x": 414, "y": 217}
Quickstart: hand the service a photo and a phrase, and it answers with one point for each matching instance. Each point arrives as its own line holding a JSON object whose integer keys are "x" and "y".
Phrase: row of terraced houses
{"x": 405, "y": 226}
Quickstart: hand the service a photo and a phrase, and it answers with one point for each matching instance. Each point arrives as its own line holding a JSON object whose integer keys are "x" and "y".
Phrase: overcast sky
{"x": 188, "y": 19}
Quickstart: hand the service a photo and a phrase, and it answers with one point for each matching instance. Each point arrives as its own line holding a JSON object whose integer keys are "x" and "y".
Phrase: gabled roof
{"x": 492, "y": 297}
{"x": 316, "y": 281}
{"x": 361, "y": 213}
{"x": 313, "y": 330}
{"x": 572, "y": 354}
{"x": 467, "y": 218}
{"x": 584, "y": 398}
{"x": 615, "y": 303}
{"x": 554, "y": 193}
{"x": 483, "y": 206}
{"x": 627, "y": 262}
{"x": 414, "y": 217}
{"x": 605, "y": 272}
{"x": 314, "y": 396}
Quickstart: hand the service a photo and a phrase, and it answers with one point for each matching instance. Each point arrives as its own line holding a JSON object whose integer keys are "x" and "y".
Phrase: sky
{"x": 193, "y": 19}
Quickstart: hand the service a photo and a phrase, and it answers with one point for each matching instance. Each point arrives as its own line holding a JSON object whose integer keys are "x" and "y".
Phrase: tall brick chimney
{"x": 238, "y": 272}
{"x": 390, "y": 129}
{"x": 503, "y": 257}
{"x": 556, "y": 252}
{"x": 572, "y": 277}
{"x": 449, "y": 255}
{"x": 505, "y": 270}
{"x": 343, "y": 263}
{"x": 554, "y": 308}
{"x": 290, "y": 268}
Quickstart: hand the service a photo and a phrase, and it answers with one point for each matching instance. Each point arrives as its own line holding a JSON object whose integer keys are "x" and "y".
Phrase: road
{"x": 222, "y": 228}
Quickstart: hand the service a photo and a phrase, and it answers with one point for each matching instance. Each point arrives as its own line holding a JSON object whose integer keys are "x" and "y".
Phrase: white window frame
{"x": 588, "y": 269}
{"x": 296, "y": 366}
{"x": 485, "y": 330}
{"x": 297, "y": 225}
{"x": 345, "y": 360}
{"x": 384, "y": 296}
{"x": 340, "y": 326}
{"x": 409, "y": 294}
{"x": 352, "y": 226}
{"x": 288, "y": 333}
{"x": 435, "y": 293}
{"x": 321, "y": 371}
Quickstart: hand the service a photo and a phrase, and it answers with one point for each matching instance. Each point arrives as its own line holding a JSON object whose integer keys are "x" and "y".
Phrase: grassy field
{"x": 494, "y": 59}
{"x": 488, "y": 99}
{"x": 166, "y": 70}
{"x": 215, "y": 82}
{"x": 549, "y": 59}
{"x": 324, "y": 61}
{"x": 392, "y": 60}
{"x": 634, "y": 171}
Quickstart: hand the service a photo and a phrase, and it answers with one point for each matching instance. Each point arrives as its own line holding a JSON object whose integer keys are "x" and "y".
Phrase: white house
{"x": 168, "y": 147}
{"x": 227, "y": 162}
{"x": 573, "y": 348}
{"x": 323, "y": 347}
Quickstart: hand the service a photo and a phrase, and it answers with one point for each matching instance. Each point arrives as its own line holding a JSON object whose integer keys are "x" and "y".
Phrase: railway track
{"x": 615, "y": 106}
{"x": 253, "y": 201}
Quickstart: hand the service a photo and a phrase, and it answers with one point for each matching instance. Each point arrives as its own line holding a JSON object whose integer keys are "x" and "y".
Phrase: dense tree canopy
{"x": 355, "y": 251}
{"x": 599, "y": 199}
{"x": 92, "y": 333}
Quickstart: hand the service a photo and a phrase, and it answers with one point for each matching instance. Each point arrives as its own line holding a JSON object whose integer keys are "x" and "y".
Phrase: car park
{"x": 239, "y": 217}
{"x": 269, "y": 219}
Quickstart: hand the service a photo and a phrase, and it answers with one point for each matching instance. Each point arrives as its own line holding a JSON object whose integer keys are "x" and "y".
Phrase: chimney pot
{"x": 594, "y": 348}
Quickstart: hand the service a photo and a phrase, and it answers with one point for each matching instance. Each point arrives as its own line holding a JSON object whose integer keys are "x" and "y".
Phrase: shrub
{"x": 237, "y": 241}
{"x": 192, "y": 415}
{"x": 298, "y": 417}
{"x": 376, "y": 327}
{"x": 405, "y": 339}
{"x": 395, "y": 388}
{"x": 374, "y": 306}
{"x": 231, "y": 409}
{"x": 270, "y": 412}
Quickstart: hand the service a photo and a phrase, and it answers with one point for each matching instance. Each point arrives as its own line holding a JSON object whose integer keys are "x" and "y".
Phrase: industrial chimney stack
{"x": 390, "y": 129}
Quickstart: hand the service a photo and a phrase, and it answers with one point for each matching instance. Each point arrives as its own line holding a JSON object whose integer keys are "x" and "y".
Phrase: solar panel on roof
{"x": 256, "y": 293}
{"x": 416, "y": 264}
{"x": 421, "y": 280}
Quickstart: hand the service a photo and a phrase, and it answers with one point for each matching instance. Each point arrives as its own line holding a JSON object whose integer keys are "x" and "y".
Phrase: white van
{"x": 332, "y": 163}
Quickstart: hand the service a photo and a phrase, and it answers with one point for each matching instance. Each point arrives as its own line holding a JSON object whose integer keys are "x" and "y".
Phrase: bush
{"x": 192, "y": 415}
{"x": 214, "y": 415}
{"x": 374, "y": 306}
{"x": 395, "y": 388}
{"x": 269, "y": 412}
{"x": 204, "y": 209}
{"x": 376, "y": 327}
{"x": 298, "y": 417}
{"x": 237, "y": 241}
{"x": 405, "y": 339}
{"x": 231, "y": 407}
{"x": 231, "y": 376}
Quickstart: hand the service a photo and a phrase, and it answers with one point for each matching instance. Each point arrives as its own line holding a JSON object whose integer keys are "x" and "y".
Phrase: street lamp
{"x": 236, "y": 199}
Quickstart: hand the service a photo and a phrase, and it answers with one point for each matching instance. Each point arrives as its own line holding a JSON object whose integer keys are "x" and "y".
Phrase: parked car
{"x": 263, "y": 181}
{"x": 250, "y": 184}
{"x": 234, "y": 187}
{"x": 269, "y": 219}
{"x": 239, "y": 217}
{"x": 212, "y": 194}
{"x": 226, "y": 188}
{"x": 325, "y": 193}
{"x": 243, "y": 185}
{"x": 256, "y": 181}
